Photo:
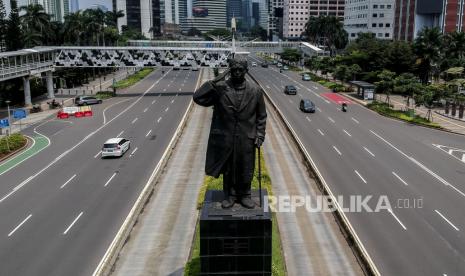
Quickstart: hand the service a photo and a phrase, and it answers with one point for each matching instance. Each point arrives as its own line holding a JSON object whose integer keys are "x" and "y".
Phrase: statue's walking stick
{"x": 259, "y": 177}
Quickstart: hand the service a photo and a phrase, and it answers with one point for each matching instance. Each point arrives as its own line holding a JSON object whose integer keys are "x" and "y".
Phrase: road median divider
{"x": 346, "y": 227}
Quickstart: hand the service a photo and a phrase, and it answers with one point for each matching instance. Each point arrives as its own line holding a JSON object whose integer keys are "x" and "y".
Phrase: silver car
{"x": 115, "y": 147}
{"x": 86, "y": 100}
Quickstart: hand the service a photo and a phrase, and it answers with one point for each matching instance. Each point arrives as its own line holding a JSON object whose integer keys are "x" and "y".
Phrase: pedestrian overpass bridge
{"x": 140, "y": 53}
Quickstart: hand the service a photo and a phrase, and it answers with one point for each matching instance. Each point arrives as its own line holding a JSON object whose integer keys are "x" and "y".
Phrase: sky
{"x": 84, "y": 4}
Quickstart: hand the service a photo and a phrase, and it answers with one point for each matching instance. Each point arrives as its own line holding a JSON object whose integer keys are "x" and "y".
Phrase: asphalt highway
{"x": 61, "y": 208}
{"x": 363, "y": 153}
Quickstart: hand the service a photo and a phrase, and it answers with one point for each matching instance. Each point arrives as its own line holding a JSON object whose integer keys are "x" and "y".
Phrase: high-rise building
{"x": 263, "y": 13}
{"x": 208, "y": 15}
{"x": 175, "y": 12}
{"x": 233, "y": 9}
{"x": 297, "y": 12}
{"x": 369, "y": 16}
{"x": 74, "y": 6}
{"x": 140, "y": 15}
{"x": 275, "y": 19}
{"x": 411, "y": 16}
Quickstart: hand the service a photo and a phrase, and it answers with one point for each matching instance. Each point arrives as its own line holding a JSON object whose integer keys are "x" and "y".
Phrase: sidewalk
{"x": 399, "y": 103}
{"x": 64, "y": 97}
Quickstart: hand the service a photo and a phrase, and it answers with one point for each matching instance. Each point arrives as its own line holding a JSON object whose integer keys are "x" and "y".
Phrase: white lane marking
{"x": 355, "y": 120}
{"x": 164, "y": 90}
{"x": 106, "y": 108}
{"x": 268, "y": 87}
{"x": 166, "y": 110}
{"x": 148, "y": 133}
{"x": 121, "y": 133}
{"x": 98, "y": 153}
{"x": 398, "y": 177}
{"x": 448, "y": 221}
{"x": 181, "y": 85}
{"x": 315, "y": 87}
{"x": 72, "y": 223}
{"x": 133, "y": 121}
{"x": 463, "y": 158}
{"x": 180, "y": 89}
{"x": 321, "y": 132}
{"x": 334, "y": 147}
{"x": 440, "y": 179}
{"x": 331, "y": 119}
{"x": 291, "y": 101}
{"x": 110, "y": 179}
{"x": 172, "y": 101}
{"x": 326, "y": 101}
{"x": 159, "y": 119}
{"x": 369, "y": 151}
{"x": 134, "y": 151}
{"x": 347, "y": 133}
{"x": 19, "y": 225}
{"x": 398, "y": 220}
{"x": 154, "y": 101}
{"x": 359, "y": 175}
{"x": 69, "y": 180}
{"x": 318, "y": 109}
{"x": 79, "y": 143}
{"x": 145, "y": 110}
{"x": 308, "y": 119}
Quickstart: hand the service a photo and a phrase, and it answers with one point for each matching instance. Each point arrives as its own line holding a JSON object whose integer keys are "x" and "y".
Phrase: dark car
{"x": 290, "y": 90}
{"x": 86, "y": 100}
{"x": 265, "y": 65}
{"x": 307, "y": 106}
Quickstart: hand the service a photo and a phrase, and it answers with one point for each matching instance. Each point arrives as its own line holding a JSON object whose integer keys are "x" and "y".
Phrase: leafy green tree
{"x": 74, "y": 28}
{"x": 399, "y": 57}
{"x": 35, "y": 24}
{"x": 258, "y": 32}
{"x": 111, "y": 17}
{"x": 328, "y": 31}
{"x": 291, "y": 55}
{"x": 354, "y": 70}
{"x": 342, "y": 72}
{"x": 454, "y": 44}
{"x": 407, "y": 85}
{"x": 217, "y": 33}
{"x": 13, "y": 37}
{"x": 386, "y": 83}
{"x": 3, "y": 25}
{"x": 368, "y": 52}
{"x": 428, "y": 96}
{"x": 428, "y": 47}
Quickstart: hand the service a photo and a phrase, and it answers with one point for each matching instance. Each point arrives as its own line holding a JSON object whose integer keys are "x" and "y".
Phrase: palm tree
{"x": 328, "y": 31}
{"x": 455, "y": 48}
{"x": 74, "y": 27}
{"x": 428, "y": 47}
{"x": 111, "y": 17}
{"x": 36, "y": 24}
{"x": 94, "y": 22}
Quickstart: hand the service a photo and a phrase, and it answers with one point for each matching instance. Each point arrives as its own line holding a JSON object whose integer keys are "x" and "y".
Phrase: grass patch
{"x": 102, "y": 95}
{"x": 278, "y": 265}
{"x": 133, "y": 79}
{"x": 386, "y": 110}
{"x": 15, "y": 141}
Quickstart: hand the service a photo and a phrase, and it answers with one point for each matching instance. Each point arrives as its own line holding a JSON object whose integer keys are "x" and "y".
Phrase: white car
{"x": 115, "y": 147}
{"x": 254, "y": 64}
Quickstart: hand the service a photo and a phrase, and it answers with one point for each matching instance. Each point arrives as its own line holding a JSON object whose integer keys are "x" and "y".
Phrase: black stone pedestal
{"x": 234, "y": 241}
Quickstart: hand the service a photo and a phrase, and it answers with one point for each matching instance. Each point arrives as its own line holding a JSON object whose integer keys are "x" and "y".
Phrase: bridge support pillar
{"x": 27, "y": 92}
{"x": 50, "y": 92}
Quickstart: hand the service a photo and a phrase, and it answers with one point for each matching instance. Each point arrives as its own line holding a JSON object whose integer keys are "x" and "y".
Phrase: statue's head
{"x": 238, "y": 69}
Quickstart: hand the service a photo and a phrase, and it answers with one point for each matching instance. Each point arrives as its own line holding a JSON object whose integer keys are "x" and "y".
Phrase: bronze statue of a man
{"x": 237, "y": 128}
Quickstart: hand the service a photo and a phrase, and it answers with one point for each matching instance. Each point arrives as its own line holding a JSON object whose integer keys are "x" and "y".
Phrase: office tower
{"x": 411, "y": 16}
{"x": 369, "y": 16}
{"x": 140, "y": 15}
{"x": 208, "y": 15}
